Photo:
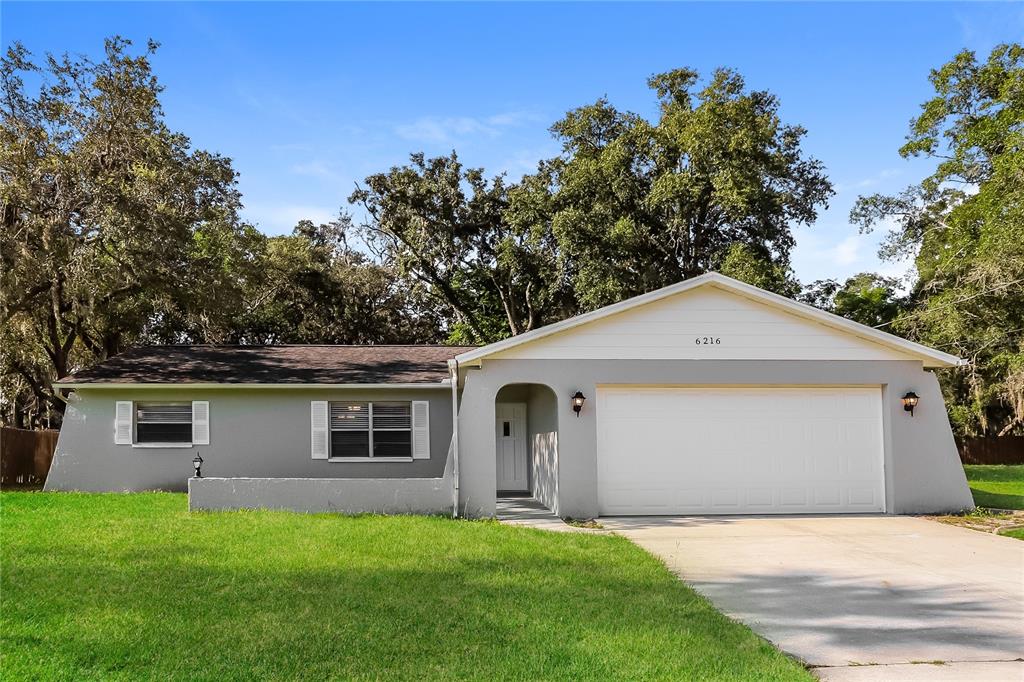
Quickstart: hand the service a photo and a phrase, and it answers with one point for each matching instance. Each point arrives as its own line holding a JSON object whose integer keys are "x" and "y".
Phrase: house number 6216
{"x": 708, "y": 340}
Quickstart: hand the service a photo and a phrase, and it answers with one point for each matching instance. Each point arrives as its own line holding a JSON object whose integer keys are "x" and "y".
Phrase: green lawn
{"x": 1016, "y": 533}
{"x": 999, "y": 486}
{"x": 135, "y": 587}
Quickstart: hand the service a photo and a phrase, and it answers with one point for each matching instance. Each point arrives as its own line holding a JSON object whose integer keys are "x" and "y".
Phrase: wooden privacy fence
{"x": 994, "y": 450}
{"x": 25, "y": 456}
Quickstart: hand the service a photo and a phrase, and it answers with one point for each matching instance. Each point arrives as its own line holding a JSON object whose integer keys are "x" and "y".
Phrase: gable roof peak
{"x": 929, "y": 356}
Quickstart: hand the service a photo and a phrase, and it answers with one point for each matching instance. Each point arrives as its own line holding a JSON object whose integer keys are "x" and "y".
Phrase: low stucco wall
{"x": 337, "y": 495}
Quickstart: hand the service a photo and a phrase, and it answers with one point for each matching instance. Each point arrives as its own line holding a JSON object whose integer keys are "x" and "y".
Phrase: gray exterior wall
{"x": 922, "y": 468}
{"x": 265, "y": 434}
{"x": 254, "y": 433}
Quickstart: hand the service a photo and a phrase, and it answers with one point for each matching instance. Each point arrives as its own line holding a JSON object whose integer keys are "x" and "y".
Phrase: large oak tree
{"x": 717, "y": 181}
{"x": 640, "y": 204}
{"x": 449, "y": 229}
{"x": 108, "y": 217}
{"x": 964, "y": 227}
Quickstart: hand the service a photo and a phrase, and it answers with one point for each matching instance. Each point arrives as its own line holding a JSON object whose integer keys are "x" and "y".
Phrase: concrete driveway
{"x": 842, "y": 592}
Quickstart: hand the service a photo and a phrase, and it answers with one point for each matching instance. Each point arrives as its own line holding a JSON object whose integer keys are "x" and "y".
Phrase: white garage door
{"x": 739, "y": 450}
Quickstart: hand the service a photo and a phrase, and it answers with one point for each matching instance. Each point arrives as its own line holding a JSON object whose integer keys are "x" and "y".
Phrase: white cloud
{"x": 512, "y": 118}
{"x": 443, "y": 130}
{"x": 901, "y": 270}
{"x": 316, "y": 169}
{"x": 524, "y": 161}
{"x": 870, "y": 181}
{"x": 281, "y": 218}
{"x": 846, "y": 252}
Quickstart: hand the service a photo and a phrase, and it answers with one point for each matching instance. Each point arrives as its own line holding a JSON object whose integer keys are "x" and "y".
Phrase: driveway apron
{"x": 842, "y": 591}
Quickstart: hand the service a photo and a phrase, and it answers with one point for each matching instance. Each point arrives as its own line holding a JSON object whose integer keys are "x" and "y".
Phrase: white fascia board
{"x": 930, "y": 356}
{"x": 440, "y": 384}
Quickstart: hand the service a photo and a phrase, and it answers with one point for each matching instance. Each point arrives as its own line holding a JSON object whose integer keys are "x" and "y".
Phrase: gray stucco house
{"x": 706, "y": 397}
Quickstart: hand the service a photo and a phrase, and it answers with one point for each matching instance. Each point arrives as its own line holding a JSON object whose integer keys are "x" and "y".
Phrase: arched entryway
{"x": 526, "y": 443}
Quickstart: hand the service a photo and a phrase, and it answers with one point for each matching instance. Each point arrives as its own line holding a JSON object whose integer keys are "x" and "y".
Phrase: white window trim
{"x": 370, "y": 457}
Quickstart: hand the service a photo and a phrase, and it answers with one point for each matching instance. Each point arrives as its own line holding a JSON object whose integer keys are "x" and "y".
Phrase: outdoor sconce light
{"x": 197, "y": 462}
{"x": 910, "y": 402}
{"x": 577, "y": 402}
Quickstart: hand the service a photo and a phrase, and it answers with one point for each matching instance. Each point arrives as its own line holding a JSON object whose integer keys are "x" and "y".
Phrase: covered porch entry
{"x": 526, "y": 444}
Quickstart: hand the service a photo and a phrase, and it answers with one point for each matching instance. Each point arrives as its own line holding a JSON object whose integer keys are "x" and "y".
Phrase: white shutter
{"x": 200, "y": 422}
{"x": 318, "y": 419}
{"x": 123, "y": 423}
{"x": 420, "y": 429}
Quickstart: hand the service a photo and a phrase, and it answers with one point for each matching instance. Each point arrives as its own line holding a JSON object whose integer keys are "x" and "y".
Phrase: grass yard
{"x": 135, "y": 587}
{"x": 999, "y": 486}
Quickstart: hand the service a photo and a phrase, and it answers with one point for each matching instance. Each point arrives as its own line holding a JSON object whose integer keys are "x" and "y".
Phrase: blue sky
{"x": 309, "y": 98}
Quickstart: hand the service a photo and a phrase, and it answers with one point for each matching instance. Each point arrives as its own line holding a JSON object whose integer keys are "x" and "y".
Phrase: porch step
{"x": 526, "y": 511}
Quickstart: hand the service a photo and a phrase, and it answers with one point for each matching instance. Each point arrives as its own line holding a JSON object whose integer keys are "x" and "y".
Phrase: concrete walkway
{"x": 526, "y": 511}
{"x": 1009, "y": 671}
{"x": 857, "y": 597}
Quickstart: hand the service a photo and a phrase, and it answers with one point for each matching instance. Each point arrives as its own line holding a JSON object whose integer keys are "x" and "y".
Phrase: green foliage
{"x": 964, "y": 225}
{"x": 870, "y": 299}
{"x": 116, "y": 231}
{"x": 628, "y": 207}
{"x": 638, "y": 205}
{"x": 743, "y": 263}
{"x": 135, "y": 587}
{"x": 445, "y": 227}
{"x": 109, "y": 219}
{"x": 314, "y": 288}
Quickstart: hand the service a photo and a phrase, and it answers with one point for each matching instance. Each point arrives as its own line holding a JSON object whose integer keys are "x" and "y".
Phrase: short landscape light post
{"x": 577, "y": 402}
{"x": 910, "y": 401}
{"x": 197, "y": 462}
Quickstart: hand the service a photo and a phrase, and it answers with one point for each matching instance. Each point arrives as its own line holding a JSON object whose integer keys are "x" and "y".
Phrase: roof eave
{"x": 213, "y": 385}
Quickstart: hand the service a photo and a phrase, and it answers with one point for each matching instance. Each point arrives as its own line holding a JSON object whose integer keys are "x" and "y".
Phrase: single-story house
{"x": 710, "y": 396}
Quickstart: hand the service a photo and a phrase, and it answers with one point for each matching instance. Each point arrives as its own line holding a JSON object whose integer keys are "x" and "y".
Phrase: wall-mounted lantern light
{"x": 197, "y": 463}
{"x": 577, "y": 402}
{"x": 910, "y": 402}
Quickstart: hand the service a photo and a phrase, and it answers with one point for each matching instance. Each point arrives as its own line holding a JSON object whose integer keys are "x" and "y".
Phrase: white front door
{"x": 510, "y": 432}
{"x": 742, "y": 450}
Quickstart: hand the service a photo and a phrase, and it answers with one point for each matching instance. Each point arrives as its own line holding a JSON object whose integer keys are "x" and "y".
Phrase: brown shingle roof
{"x": 272, "y": 365}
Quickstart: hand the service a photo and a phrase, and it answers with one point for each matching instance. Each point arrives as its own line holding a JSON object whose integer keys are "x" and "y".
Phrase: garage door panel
{"x": 760, "y": 497}
{"x": 758, "y": 465}
{"x": 791, "y": 464}
{"x": 828, "y": 464}
{"x": 828, "y": 495}
{"x": 863, "y": 496}
{"x": 690, "y": 498}
{"x": 739, "y": 450}
{"x": 725, "y": 497}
